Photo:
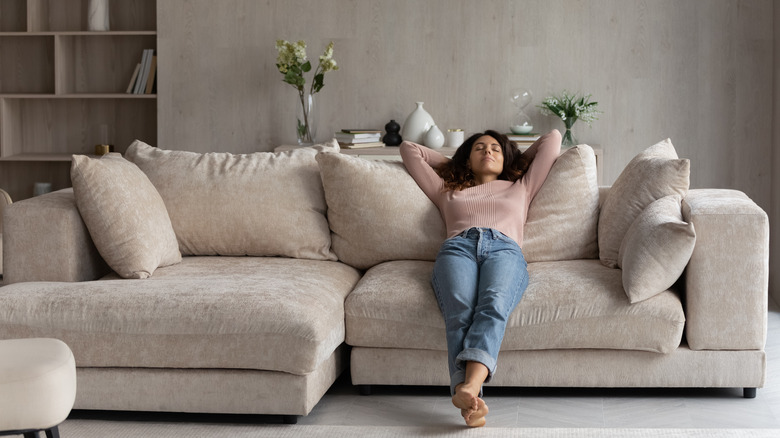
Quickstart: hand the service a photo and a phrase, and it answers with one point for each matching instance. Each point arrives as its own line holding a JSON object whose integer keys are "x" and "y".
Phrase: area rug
{"x": 131, "y": 429}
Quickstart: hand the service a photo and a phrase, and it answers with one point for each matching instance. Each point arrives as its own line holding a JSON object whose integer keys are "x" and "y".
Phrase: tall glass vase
{"x": 305, "y": 128}
{"x": 568, "y": 138}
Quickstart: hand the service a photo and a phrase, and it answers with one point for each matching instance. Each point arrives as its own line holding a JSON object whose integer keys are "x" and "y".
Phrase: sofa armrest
{"x": 727, "y": 278}
{"x": 45, "y": 239}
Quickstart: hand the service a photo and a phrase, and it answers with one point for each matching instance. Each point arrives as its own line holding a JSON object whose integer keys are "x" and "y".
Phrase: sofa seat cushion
{"x": 568, "y": 304}
{"x": 207, "y": 312}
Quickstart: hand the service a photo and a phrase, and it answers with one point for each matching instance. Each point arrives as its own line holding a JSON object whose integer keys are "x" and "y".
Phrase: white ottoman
{"x": 37, "y": 386}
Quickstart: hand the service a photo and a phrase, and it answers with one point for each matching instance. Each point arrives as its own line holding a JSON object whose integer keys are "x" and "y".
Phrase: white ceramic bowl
{"x": 521, "y": 129}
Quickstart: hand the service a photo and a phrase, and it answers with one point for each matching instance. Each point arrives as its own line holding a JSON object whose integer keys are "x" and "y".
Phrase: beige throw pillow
{"x": 651, "y": 175}
{"x": 656, "y": 249}
{"x": 563, "y": 216}
{"x": 124, "y": 214}
{"x": 377, "y": 212}
{"x": 260, "y": 204}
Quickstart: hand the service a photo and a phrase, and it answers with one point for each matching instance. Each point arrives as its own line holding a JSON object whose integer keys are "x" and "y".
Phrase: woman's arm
{"x": 421, "y": 162}
{"x": 542, "y": 155}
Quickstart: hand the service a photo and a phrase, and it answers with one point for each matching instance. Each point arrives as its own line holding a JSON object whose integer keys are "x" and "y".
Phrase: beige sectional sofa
{"x": 254, "y": 281}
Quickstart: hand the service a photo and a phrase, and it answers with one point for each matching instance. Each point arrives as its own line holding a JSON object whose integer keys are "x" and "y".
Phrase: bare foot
{"x": 465, "y": 398}
{"x": 472, "y": 408}
{"x": 477, "y": 418}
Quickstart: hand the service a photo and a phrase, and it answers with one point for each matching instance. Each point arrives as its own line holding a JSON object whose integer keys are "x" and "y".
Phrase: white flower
{"x": 292, "y": 63}
{"x": 570, "y": 107}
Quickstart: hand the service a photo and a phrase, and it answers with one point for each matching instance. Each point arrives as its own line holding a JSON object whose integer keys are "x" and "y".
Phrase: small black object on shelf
{"x": 392, "y": 138}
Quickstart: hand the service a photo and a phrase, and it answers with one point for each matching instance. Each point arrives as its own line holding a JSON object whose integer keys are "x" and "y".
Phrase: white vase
{"x": 434, "y": 138}
{"x": 97, "y": 15}
{"x": 417, "y": 124}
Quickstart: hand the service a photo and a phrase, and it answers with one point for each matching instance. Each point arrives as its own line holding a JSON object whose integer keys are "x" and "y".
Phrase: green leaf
{"x": 318, "y": 83}
{"x": 293, "y": 78}
{"x": 306, "y": 67}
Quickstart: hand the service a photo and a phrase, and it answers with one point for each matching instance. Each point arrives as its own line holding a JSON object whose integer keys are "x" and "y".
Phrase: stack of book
{"x": 523, "y": 140}
{"x": 359, "y": 138}
{"x": 144, "y": 75}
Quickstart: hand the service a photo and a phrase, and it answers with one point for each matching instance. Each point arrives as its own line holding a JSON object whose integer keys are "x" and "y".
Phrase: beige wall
{"x": 700, "y": 72}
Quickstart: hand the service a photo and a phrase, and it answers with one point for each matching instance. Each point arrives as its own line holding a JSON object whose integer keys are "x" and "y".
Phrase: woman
{"x": 480, "y": 274}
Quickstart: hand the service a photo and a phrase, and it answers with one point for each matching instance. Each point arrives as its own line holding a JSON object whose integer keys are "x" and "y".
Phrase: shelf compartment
{"x": 71, "y": 15}
{"x": 19, "y": 178}
{"x": 96, "y": 63}
{"x": 59, "y": 127}
{"x": 13, "y": 16}
{"x": 28, "y": 64}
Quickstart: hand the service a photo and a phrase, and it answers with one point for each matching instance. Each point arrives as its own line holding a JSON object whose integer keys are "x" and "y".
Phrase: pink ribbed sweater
{"x": 501, "y": 205}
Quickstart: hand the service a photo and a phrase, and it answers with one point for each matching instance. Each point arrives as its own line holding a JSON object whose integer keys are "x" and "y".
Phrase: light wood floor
{"x": 625, "y": 408}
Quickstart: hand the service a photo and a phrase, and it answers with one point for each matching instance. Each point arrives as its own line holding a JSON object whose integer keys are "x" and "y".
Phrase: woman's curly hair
{"x": 457, "y": 174}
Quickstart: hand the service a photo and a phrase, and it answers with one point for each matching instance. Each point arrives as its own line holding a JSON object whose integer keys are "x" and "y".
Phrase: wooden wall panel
{"x": 697, "y": 72}
{"x": 774, "y": 210}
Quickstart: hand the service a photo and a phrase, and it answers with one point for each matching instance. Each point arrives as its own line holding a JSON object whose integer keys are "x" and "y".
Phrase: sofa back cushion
{"x": 656, "y": 249}
{"x": 124, "y": 214}
{"x": 260, "y": 204}
{"x": 653, "y": 174}
{"x": 377, "y": 213}
{"x": 563, "y": 216}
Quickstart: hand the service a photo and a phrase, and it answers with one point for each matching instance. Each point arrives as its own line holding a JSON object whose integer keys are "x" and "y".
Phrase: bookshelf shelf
{"x": 62, "y": 87}
{"x": 38, "y": 157}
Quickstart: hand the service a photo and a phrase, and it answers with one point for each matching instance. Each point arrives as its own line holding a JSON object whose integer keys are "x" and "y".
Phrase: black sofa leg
{"x": 290, "y": 419}
{"x": 749, "y": 392}
{"x": 364, "y": 389}
{"x": 53, "y": 432}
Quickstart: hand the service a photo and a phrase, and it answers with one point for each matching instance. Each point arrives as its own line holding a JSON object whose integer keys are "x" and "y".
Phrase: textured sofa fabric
{"x": 651, "y": 175}
{"x": 656, "y": 249}
{"x": 563, "y": 217}
{"x": 726, "y": 280}
{"x": 261, "y": 204}
{"x": 365, "y": 196}
{"x": 124, "y": 214}
{"x": 49, "y": 241}
{"x": 345, "y": 279}
{"x": 393, "y": 306}
{"x": 276, "y": 314}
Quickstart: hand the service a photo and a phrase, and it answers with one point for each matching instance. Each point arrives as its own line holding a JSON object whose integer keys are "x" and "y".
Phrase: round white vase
{"x": 417, "y": 124}
{"x": 434, "y": 138}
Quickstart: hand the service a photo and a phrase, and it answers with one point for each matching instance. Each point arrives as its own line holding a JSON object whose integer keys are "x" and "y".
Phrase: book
{"x": 131, "y": 85}
{"x": 140, "y": 73}
{"x": 146, "y": 63}
{"x": 358, "y": 135}
{"x": 150, "y": 79}
{"x": 373, "y": 144}
{"x": 357, "y": 138}
{"x": 361, "y": 131}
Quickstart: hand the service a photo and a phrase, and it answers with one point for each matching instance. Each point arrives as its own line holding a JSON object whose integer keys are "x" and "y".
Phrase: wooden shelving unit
{"x": 62, "y": 87}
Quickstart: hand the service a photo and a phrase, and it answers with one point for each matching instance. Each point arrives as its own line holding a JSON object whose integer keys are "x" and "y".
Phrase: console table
{"x": 392, "y": 153}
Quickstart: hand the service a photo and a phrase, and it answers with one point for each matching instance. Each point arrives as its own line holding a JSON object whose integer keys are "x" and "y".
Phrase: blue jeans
{"x": 478, "y": 278}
